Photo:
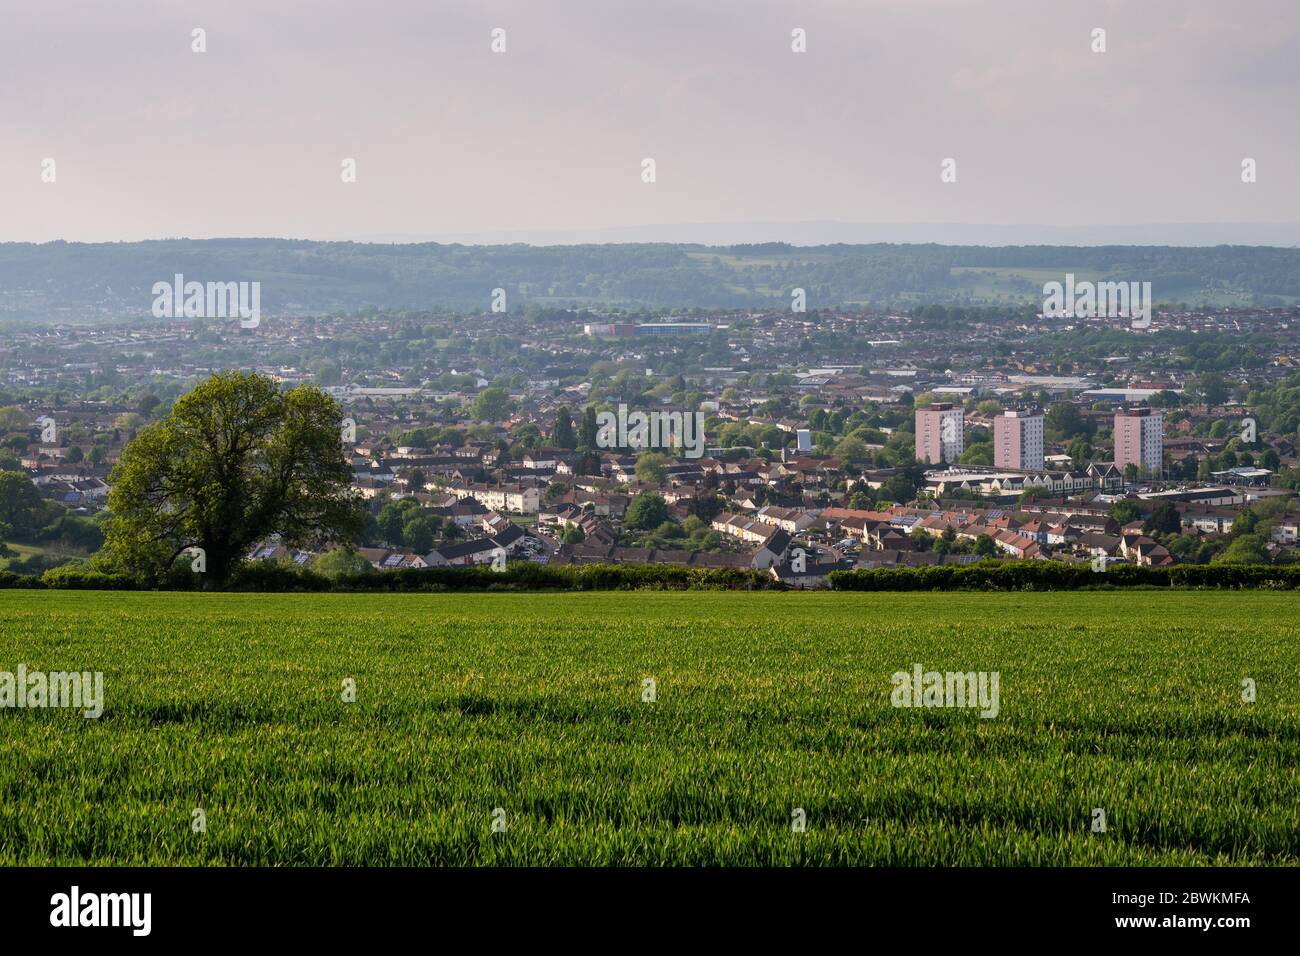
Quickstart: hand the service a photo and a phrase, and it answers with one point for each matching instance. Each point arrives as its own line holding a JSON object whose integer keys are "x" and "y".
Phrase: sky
{"x": 546, "y": 141}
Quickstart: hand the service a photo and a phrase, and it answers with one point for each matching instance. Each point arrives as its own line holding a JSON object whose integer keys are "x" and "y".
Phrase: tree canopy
{"x": 647, "y": 511}
{"x": 490, "y": 405}
{"x": 236, "y": 461}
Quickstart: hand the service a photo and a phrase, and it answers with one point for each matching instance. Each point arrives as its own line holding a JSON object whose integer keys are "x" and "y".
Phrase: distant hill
{"x": 91, "y": 281}
{"x": 823, "y": 232}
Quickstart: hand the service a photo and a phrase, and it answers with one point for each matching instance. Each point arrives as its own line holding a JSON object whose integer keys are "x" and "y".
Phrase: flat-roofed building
{"x": 940, "y": 433}
{"x": 1018, "y": 440}
{"x": 1139, "y": 439}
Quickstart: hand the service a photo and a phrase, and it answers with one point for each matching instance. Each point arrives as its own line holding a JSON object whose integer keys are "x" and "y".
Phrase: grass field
{"x": 766, "y": 702}
{"x": 1025, "y": 284}
{"x": 22, "y": 552}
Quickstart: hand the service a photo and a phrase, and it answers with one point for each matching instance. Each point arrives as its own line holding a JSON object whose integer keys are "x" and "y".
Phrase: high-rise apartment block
{"x": 1139, "y": 439}
{"x": 1018, "y": 440}
{"x": 940, "y": 433}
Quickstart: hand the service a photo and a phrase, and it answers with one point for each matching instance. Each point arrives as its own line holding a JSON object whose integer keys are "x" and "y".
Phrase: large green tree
{"x": 1126, "y": 511}
{"x": 564, "y": 436}
{"x": 1065, "y": 422}
{"x": 491, "y": 405}
{"x": 340, "y": 561}
{"x": 236, "y": 460}
{"x": 590, "y": 430}
{"x": 1208, "y": 390}
{"x": 652, "y": 467}
{"x": 20, "y": 503}
{"x": 1246, "y": 549}
{"x": 979, "y": 453}
{"x": 647, "y": 511}
{"x": 14, "y": 419}
{"x": 1165, "y": 519}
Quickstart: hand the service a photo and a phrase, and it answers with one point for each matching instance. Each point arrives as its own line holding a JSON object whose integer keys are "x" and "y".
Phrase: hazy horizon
{"x": 810, "y": 234}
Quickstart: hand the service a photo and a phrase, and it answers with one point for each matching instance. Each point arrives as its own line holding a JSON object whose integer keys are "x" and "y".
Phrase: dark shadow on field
{"x": 217, "y": 715}
{"x": 1098, "y": 731}
{"x": 555, "y": 709}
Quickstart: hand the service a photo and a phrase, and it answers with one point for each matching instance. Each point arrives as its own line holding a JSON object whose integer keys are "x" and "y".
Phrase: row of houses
{"x": 72, "y": 490}
{"x": 495, "y": 534}
{"x": 991, "y": 483}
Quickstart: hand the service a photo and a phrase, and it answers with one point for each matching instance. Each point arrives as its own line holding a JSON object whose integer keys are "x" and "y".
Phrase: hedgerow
{"x": 274, "y": 577}
{"x": 1060, "y": 576}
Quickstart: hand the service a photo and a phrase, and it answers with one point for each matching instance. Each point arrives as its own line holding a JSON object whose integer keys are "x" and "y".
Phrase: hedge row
{"x": 1060, "y": 576}
{"x": 984, "y": 576}
{"x": 527, "y": 576}
{"x": 523, "y": 576}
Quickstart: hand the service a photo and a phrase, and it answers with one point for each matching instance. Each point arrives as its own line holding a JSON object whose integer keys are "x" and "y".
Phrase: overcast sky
{"x": 151, "y": 140}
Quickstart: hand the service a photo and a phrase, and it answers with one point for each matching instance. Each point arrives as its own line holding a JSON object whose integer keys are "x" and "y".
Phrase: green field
{"x": 22, "y": 552}
{"x": 1024, "y": 283}
{"x": 766, "y": 702}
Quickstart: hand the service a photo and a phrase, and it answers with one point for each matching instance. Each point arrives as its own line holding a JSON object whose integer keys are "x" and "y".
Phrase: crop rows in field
{"x": 764, "y": 705}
